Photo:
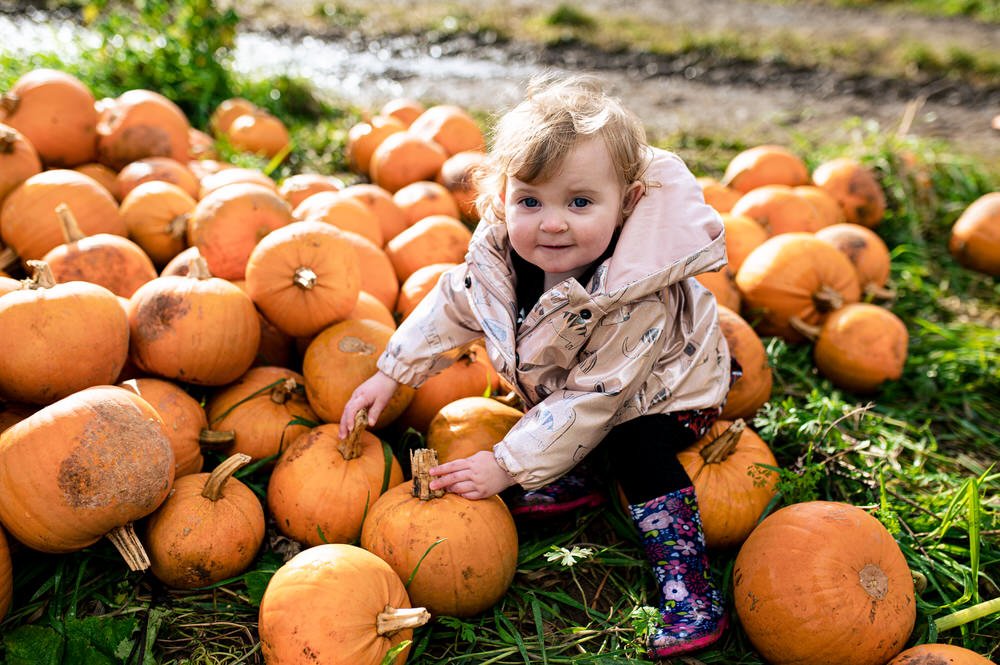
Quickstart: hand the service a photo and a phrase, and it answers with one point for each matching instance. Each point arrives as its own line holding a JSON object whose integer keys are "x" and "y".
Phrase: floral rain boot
{"x": 692, "y": 610}
{"x": 579, "y": 488}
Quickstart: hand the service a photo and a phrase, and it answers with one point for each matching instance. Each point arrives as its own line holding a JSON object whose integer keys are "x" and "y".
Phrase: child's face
{"x": 566, "y": 222}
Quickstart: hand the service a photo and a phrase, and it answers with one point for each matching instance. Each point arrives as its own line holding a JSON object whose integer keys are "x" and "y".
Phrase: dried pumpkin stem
{"x": 421, "y": 461}
{"x": 217, "y": 479}
{"x": 827, "y": 299}
{"x": 9, "y": 102}
{"x": 211, "y": 439}
{"x": 304, "y": 278}
{"x": 725, "y": 444}
{"x": 391, "y": 620}
{"x": 8, "y": 140}
{"x": 198, "y": 268}
{"x": 67, "y": 220}
{"x": 41, "y": 277}
{"x": 177, "y": 227}
{"x": 350, "y": 447}
{"x": 876, "y": 292}
{"x": 8, "y": 258}
{"x": 282, "y": 392}
{"x": 807, "y": 330}
{"x": 128, "y": 545}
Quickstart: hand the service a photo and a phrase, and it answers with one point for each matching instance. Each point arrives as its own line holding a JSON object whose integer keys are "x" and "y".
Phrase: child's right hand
{"x": 374, "y": 394}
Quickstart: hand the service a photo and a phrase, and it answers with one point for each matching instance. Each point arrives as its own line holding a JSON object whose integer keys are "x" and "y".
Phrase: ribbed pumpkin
{"x": 458, "y": 175}
{"x": 304, "y": 277}
{"x": 795, "y": 274}
{"x": 753, "y": 389}
{"x": 208, "y": 529}
{"x": 472, "y": 564}
{"x": 859, "y": 346}
{"x": 779, "y": 210}
{"x": 6, "y": 576}
{"x": 18, "y": 160}
{"x": 55, "y": 111}
{"x": 434, "y": 239}
{"x": 28, "y": 221}
{"x": 732, "y": 488}
{"x": 197, "y": 328}
{"x": 59, "y": 338}
{"x": 867, "y": 252}
{"x": 939, "y": 654}
{"x": 418, "y": 285}
{"x": 323, "y": 486}
{"x": 183, "y": 417}
{"x": 823, "y": 583}
{"x": 468, "y": 425}
{"x": 156, "y": 215}
{"x": 451, "y": 127}
{"x": 404, "y": 157}
{"x": 391, "y": 219}
{"x": 364, "y": 137}
{"x": 720, "y": 283}
{"x": 378, "y": 276}
{"x": 138, "y": 124}
{"x": 260, "y": 133}
{"x": 424, "y": 198}
{"x": 82, "y": 468}
{"x": 975, "y": 236}
{"x": 339, "y": 359}
{"x": 856, "y": 189}
{"x": 260, "y": 409}
{"x": 163, "y": 169}
{"x": 337, "y": 605}
{"x": 297, "y": 188}
{"x": 765, "y": 165}
{"x": 228, "y": 223}
{"x": 114, "y": 262}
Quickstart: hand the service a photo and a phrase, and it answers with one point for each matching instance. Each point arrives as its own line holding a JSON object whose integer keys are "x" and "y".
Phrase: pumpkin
{"x": 743, "y": 235}
{"x": 84, "y": 467}
{"x": 451, "y": 127}
{"x": 753, "y": 389}
{"x": 378, "y": 276}
{"x": 459, "y": 174}
{"x": 6, "y": 576}
{"x": 323, "y": 486}
{"x": 342, "y": 211}
{"x": 866, "y": 251}
{"x": 778, "y": 209}
{"x": 59, "y": 338}
{"x": 340, "y": 359}
{"x": 404, "y": 157}
{"x": 201, "y": 145}
{"x": 720, "y": 197}
{"x": 859, "y": 346}
{"x": 855, "y": 188}
{"x": 114, "y": 262}
{"x": 197, "y": 328}
{"x": 164, "y": 169}
{"x": 11, "y": 413}
{"x": 297, "y": 188}
{"x": 939, "y": 654}
{"x": 975, "y": 235}
{"x": 466, "y": 550}
{"x": 424, "y": 198}
{"x": 28, "y": 221}
{"x": 18, "y": 160}
{"x": 304, "y": 277}
{"x": 183, "y": 418}
{"x": 55, "y": 111}
{"x": 418, "y": 285}
{"x": 390, "y": 218}
{"x": 765, "y": 165}
{"x": 732, "y": 487}
{"x": 795, "y": 274}
{"x": 827, "y": 207}
{"x": 264, "y": 410}
{"x": 370, "y": 307}
{"x": 156, "y": 214}
{"x": 720, "y": 283}
{"x": 211, "y": 182}
{"x": 228, "y": 223}
{"x": 823, "y": 583}
{"x": 260, "y": 133}
{"x": 404, "y": 109}
{"x": 364, "y": 137}
{"x": 108, "y": 178}
{"x": 209, "y": 529}
{"x": 179, "y": 265}
{"x": 226, "y": 112}
{"x": 141, "y": 123}
{"x": 468, "y": 425}
{"x": 338, "y": 605}
{"x": 434, "y": 239}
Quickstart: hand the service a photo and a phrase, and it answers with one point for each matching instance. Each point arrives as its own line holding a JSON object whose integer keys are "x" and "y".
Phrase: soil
{"x": 753, "y": 101}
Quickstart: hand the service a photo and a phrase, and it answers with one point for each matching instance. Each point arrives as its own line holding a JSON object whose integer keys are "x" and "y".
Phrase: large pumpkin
{"x": 183, "y": 419}
{"x": 975, "y": 236}
{"x": 468, "y": 425}
{"x": 823, "y": 583}
{"x": 466, "y": 550}
{"x": 939, "y": 654}
{"x": 338, "y": 605}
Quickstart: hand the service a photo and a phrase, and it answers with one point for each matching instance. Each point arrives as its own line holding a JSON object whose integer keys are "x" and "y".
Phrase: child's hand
{"x": 373, "y": 395}
{"x": 475, "y": 477}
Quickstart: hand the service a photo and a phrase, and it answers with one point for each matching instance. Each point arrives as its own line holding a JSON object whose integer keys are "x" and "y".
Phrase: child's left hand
{"x": 475, "y": 477}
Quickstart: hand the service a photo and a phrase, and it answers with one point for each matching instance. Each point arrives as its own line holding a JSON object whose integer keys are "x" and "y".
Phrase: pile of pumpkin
{"x": 156, "y": 275}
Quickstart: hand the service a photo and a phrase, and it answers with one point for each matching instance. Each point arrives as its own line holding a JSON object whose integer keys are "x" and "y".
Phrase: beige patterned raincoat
{"x": 642, "y": 336}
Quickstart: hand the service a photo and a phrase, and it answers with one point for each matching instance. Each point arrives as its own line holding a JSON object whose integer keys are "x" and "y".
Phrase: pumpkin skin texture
{"x": 823, "y": 583}
{"x": 753, "y": 389}
{"x": 18, "y": 160}
{"x": 391, "y": 219}
{"x": 468, "y": 425}
{"x": 939, "y": 654}
{"x": 183, "y": 419}
{"x": 867, "y": 252}
{"x": 404, "y": 157}
{"x": 297, "y": 188}
{"x": 975, "y": 236}
{"x": 156, "y": 214}
{"x": 720, "y": 283}
{"x": 434, "y": 239}
{"x": 138, "y": 124}
{"x": 465, "y": 574}
{"x": 82, "y": 467}
{"x": 765, "y": 165}
{"x": 778, "y": 209}
{"x": 451, "y": 127}
{"x": 324, "y": 606}
{"x": 856, "y": 189}
{"x": 743, "y": 235}
{"x": 208, "y": 529}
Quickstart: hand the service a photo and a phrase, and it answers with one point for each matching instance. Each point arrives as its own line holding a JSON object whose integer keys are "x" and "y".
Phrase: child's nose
{"x": 553, "y": 222}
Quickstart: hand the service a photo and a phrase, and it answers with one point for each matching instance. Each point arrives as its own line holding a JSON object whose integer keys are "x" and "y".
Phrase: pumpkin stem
{"x": 827, "y": 299}
{"x": 8, "y": 257}
{"x": 42, "y": 277}
{"x": 421, "y": 461}
{"x": 211, "y": 439}
{"x": 198, "y": 268}
{"x": 8, "y": 141}
{"x": 177, "y": 227}
{"x": 304, "y": 278}
{"x": 217, "y": 479}
{"x": 874, "y": 581}
{"x": 9, "y": 102}
{"x": 807, "y": 330}
{"x": 128, "y": 545}
{"x": 282, "y": 392}
{"x": 876, "y": 292}
{"x": 70, "y": 228}
{"x": 725, "y": 444}
{"x": 350, "y": 447}
{"x": 391, "y": 620}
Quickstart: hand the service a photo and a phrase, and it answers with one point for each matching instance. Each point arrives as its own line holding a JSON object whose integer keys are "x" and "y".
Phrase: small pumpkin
{"x": 378, "y": 276}
{"x": 434, "y": 239}
{"x": 753, "y": 389}
{"x": 260, "y": 133}
{"x": 424, "y": 198}
{"x": 939, "y": 654}
{"x": 720, "y": 283}
{"x": 458, "y": 174}
{"x": 297, "y": 188}
{"x": 867, "y": 252}
{"x": 231, "y": 175}
{"x": 779, "y": 210}
{"x": 370, "y": 307}
{"x": 156, "y": 214}
{"x": 364, "y": 137}
{"x": 404, "y": 109}
{"x": 721, "y": 197}
{"x": 418, "y": 285}
{"x": 226, "y": 112}
{"x": 743, "y": 235}
{"x": 18, "y": 160}
{"x": 468, "y": 425}
{"x": 342, "y": 211}
{"x": 451, "y": 127}
{"x": 183, "y": 417}
{"x": 163, "y": 169}
{"x": 975, "y": 235}
{"x": 765, "y": 165}
{"x": 138, "y": 124}
{"x": 404, "y": 157}
{"x": 108, "y": 178}
{"x": 391, "y": 219}
{"x": 855, "y": 187}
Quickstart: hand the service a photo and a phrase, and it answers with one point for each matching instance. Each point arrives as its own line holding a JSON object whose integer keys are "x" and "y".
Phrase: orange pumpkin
{"x": 323, "y": 486}
{"x": 732, "y": 487}
{"x": 364, "y": 137}
{"x": 472, "y": 564}
{"x": 404, "y": 157}
{"x": 59, "y": 338}
{"x": 753, "y": 389}
{"x": 337, "y": 605}
{"x": 227, "y": 111}
{"x": 164, "y": 169}
{"x": 370, "y": 307}
{"x": 856, "y": 189}
{"x": 82, "y": 468}
{"x": 721, "y": 284}
{"x": 468, "y": 425}
{"x": 404, "y": 109}
{"x": 297, "y": 188}
{"x": 141, "y": 123}
{"x": 418, "y": 285}
{"x": 424, "y": 198}
{"x": 939, "y": 654}
{"x": 778, "y": 209}
{"x": 866, "y": 251}
{"x": 108, "y": 178}
{"x": 201, "y": 145}
{"x": 743, "y": 235}
{"x": 8, "y": 284}
{"x": 343, "y": 211}
{"x": 390, "y": 218}
{"x": 765, "y": 165}
{"x": 208, "y": 529}
{"x": 156, "y": 214}
{"x": 719, "y": 196}
{"x": 829, "y": 209}
{"x": 260, "y": 133}
{"x": 179, "y": 265}
{"x": 18, "y": 160}
{"x": 459, "y": 176}
{"x": 434, "y": 239}
{"x": 304, "y": 277}
{"x": 823, "y": 583}
{"x": 451, "y": 127}
{"x": 6, "y": 576}
{"x": 378, "y": 276}
{"x": 183, "y": 419}
{"x": 232, "y": 175}
{"x": 975, "y": 236}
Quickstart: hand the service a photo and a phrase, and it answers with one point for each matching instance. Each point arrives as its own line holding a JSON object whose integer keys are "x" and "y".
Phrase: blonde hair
{"x": 531, "y": 140}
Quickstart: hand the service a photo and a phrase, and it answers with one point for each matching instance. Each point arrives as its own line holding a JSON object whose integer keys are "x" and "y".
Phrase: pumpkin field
{"x": 198, "y": 266}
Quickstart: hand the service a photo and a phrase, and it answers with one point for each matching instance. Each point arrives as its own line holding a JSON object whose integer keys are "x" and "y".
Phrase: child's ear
{"x": 633, "y": 193}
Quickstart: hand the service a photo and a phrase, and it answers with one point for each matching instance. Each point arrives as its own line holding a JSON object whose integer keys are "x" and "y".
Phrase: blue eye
{"x": 581, "y": 202}
{"x": 530, "y": 202}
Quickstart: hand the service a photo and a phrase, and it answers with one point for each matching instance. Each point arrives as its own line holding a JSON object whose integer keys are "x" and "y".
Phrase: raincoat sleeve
{"x": 430, "y": 338}
{"x": 560, "y": 430}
